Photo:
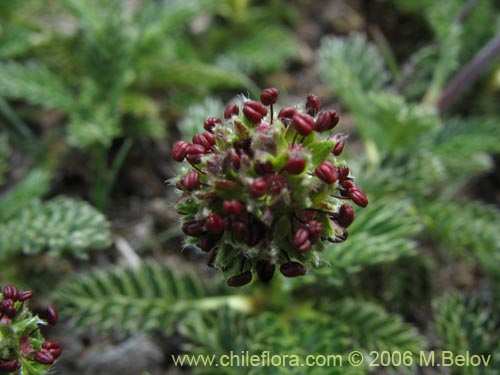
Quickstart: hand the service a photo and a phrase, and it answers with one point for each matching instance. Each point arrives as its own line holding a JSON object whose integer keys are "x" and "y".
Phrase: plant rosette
{"x": 260, "y": 191}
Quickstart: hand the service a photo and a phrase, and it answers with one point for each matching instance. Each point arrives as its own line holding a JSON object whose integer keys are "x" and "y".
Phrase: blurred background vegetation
{"x": 93, "y": 94}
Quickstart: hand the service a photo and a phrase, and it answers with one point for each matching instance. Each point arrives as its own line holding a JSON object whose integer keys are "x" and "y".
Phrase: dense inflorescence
{"x": 22, "y": 345}
{"x": 263, "y": 191}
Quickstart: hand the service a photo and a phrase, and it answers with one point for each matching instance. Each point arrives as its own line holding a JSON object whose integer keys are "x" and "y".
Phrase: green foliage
{"x": 34, "y": 185}
{"x": 468, "y": 325}
{"x": 60, "y": 225}
{"x": 338, "y": 328}
{"x": 152, "y": 296}
{"x": 4, "y": 154}
{"x": 34, "y": 83}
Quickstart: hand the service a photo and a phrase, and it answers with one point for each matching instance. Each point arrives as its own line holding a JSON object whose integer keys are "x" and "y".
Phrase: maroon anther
{"x": 210, "y": 123}
{"x": 240, "y": 280}
{"x": 315, "y": 228}
{"x": 206, "y": 140}
{"x": 10, "y": 292}
{"x": 286, "y": 115}
{"x": 7, "y": 308}
{"x": 24, "y": 295}
{"x": 240, "y": 230}
{"x": 180, "y": 150}
{"x": 326, "y": 120}
{"x": 233, "y": 207}
{"x": 52, "y": 316}
{"x": 265, "y": 270}
{"x": 346, "y": 215}
{"x": 195, "y": 153}
{"x": 232, "y": 160}
{"x": 207, "y": 243}
{"x": 339, "y": 145}
{"x": 214, "y": 224}
{"x": 269, "y": 96}
{"x": 295, "y": 165}
{"x": 193, "y": 228}
{"x": 259, "y": 187}
{"x": 301, "y": 240}
{"x": 348, "y": 183}
{"x": 293, "y": 269}
{"x": 53, "y": 347}
{"x": 44, "y": 356}
{"x": 231, "y": 110}
{"x": 263, "y": 168}
{"x": 343, "y": 172}
{"x": 313, "y": 105}
{"x": 303, "y": 124}
{"x": 327, "y": 172}
{"x": 191, "y": 181}
{"x": 254, "y": 111}
{"x": 9, "y": 366}
{"x": 358, "y": 196}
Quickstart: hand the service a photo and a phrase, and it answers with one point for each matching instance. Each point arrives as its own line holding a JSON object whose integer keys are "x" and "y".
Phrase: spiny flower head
{"x": 22, "y": 345}
{"x": 260, "y": 192}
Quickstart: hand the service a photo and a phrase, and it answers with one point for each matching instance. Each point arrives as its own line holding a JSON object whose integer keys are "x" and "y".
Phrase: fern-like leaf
{"x": 152, "y": 296}
{"x": 468, "y": 325}
{"x": 380, "y": 234}
{"x": 34, "y": 185}
{"x": 34, "y": 83}
{"x": 60, "y": 225}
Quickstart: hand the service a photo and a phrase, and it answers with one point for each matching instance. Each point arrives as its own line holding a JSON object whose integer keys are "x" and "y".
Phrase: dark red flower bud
{"x": 326, "y": 120}
{"x": 358, "y": 196}
{"x": 231, "y": 110}
{"x": 214, "y": 224}
{"x": 286, "y": 115}
{"x": 206, "y": 140}
{"x": 195, "y": 153}
{"x": 293, "y": 269}
{"x": 303, "y": 124}
{"x": 240, "y": 280}
{"x": 191, "y": 181}
{"x": 269, "y": 96}
{"x": 263, "y": 168}
{"x": 232, "y": 160}
{"x": 339, "y": 145}
{"x": 301, "y": 240}
{"x": 265, "y": 270}
{"x": 295, "y": 165}
{"x": 10, "y": 292}
{"x": 259, "y": 187}
{"x": 44, "y": 356}
{"x": 254, "y": 111}
{"x": 313, "y": 105}
{"x": 52, "y": 316}
{"x": 194, "y": 228}
{"x": 343, "y": 172}
{"x": 53, "y": 347}
{"x": 327, "y": 172}
{"x": 9, "y": 366}
{"x": 233, "y": 207}
{"x": 315, "y": 228}
{"x": 276, "y": 183}
{"x": 27, "y": 294}
{"x": 346, "y": 215}
{"x": 210, "y": 123}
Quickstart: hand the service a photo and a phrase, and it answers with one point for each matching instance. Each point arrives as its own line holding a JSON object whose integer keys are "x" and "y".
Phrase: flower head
{"x": 262, "y": 192}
